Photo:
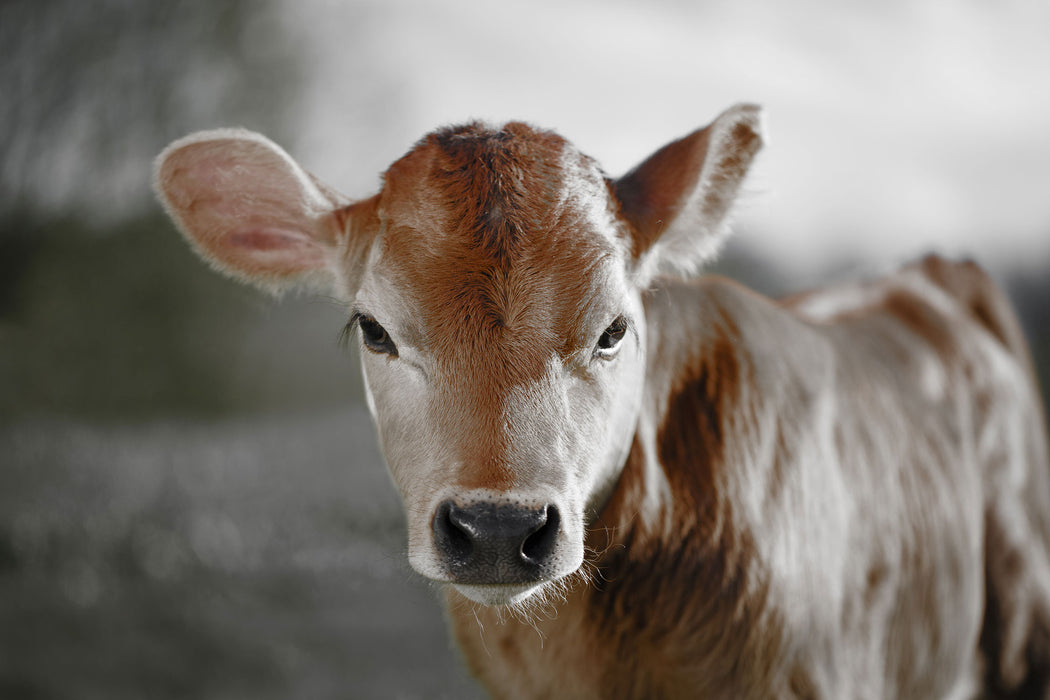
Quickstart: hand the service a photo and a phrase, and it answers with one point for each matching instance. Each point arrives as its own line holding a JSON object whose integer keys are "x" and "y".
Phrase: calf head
{"x": 496, "y": 283}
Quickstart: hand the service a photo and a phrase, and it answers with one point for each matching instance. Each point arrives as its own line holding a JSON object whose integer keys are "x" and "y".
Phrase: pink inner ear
{"x": 282, "y": 251}
{"x": 265, "y": 240}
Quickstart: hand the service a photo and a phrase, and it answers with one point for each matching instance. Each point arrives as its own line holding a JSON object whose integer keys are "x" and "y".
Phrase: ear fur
{"x": 679, "y": 199}
{"x": 248, "y": 209}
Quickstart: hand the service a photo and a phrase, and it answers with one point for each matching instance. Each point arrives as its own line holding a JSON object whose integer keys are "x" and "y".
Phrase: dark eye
{"x": 610, "y": 339}
{"x": 374, "y": 335}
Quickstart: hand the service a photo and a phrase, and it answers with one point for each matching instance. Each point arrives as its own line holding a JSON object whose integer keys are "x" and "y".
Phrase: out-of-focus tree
{"x": 92, "y": 89}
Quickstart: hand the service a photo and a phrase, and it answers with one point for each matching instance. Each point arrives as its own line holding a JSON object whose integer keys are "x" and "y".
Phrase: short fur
{"x": 810, "y": 545}
{"x": 845, "y": 493}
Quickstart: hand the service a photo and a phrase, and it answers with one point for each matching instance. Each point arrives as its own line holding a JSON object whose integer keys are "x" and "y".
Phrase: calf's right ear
{"x": 249, "y": 209}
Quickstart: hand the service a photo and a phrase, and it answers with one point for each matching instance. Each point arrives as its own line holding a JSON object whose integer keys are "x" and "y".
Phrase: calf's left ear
{"x": 678, "y": 200}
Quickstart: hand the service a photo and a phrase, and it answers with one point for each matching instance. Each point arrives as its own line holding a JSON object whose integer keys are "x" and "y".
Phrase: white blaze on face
{"x": 565, "y": 434}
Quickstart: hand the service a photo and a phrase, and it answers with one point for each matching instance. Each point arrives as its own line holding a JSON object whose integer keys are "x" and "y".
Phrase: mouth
{"x": 498, "y": 595}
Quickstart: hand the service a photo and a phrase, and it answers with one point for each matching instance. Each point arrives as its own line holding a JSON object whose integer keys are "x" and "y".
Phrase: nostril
{"x": 538, "y": 546}
{"x": 451, "y": 534}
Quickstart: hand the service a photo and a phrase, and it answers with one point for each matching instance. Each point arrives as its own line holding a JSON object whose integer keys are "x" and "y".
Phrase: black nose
{"x": 489, "y": 543}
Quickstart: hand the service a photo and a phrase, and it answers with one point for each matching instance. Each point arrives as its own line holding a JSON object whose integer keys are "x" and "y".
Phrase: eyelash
{"x": 611, "y": 337}
{"x": 374, "y": 337}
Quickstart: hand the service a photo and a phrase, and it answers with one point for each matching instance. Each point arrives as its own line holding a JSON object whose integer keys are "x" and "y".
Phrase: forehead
{"x": 500, "y": 231}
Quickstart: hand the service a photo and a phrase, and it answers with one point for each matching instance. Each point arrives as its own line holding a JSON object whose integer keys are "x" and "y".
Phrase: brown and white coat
{"x": 639, "y": 484}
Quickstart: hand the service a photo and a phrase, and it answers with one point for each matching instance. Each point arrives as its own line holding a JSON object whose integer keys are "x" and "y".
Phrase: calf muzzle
{"x": 496, "y": 543}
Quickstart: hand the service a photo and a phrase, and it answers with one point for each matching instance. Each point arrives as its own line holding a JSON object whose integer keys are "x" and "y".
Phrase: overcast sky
{"x": 894, "y": 127}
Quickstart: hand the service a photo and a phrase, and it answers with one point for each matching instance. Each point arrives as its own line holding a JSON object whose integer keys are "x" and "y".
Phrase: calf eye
{"x": 609, "y": 341}
{"x": 374, "y": 335}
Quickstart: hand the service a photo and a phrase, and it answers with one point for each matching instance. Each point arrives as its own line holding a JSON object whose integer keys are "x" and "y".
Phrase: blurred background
{"x": 192, "y": 503}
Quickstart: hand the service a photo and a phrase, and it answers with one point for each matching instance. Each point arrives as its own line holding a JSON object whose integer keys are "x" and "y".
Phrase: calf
{"x": 638, "y": 484}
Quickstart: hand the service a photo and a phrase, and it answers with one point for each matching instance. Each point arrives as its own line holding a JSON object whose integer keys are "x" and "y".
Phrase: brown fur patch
{"x": 498, "y": 185}
{"x": 689, "y": 586}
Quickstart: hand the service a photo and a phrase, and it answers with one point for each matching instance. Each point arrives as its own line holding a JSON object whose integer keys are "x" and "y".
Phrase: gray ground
{"x": 249, "y": 559}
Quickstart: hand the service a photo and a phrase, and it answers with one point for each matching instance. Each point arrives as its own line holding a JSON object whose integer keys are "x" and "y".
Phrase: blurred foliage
{"x": 93, "y": 90}
{"x": 105, "y": 325}
{"x": 104, "y": 312}
{"x": 132, "y": 325}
